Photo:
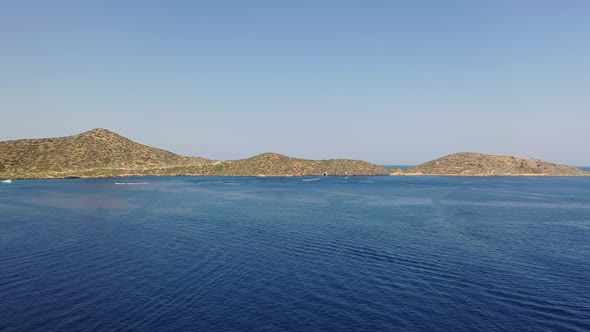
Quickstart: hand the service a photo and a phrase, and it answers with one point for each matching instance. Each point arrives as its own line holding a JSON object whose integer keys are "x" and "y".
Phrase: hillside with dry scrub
{"x": 102, "y": 153}
{"x": 97, "y": 150}
{"x": 468, "y": 163}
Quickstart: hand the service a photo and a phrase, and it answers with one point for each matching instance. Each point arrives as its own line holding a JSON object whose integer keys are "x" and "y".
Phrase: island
{"x": 103, "y": 153}
{"x": 479, "y": 164}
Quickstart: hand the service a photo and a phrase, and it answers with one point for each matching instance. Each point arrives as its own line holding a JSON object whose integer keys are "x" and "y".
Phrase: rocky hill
{"x": 100, "y": 152}
{"x": 467, "y": 163}
{"x": 274, "y": 164}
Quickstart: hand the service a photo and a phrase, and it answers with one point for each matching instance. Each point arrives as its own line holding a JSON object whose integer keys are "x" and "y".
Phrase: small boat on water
{"x": 7, "y": 181}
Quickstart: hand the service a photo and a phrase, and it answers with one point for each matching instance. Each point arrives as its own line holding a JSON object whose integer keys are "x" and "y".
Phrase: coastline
{"x": 402, "y": 174}
{"x": 100, "y": 153}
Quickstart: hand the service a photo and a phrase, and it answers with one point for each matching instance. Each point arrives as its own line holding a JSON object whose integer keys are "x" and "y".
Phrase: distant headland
{"x": 103, "y": 153}
{"x": 478, "y": 164}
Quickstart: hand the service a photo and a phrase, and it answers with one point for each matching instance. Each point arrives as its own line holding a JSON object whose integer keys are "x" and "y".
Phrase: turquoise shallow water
{"x": 330, "y": 253}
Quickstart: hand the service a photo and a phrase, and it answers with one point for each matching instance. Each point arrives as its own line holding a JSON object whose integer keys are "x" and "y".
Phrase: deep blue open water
{"x": 273, "y": 254}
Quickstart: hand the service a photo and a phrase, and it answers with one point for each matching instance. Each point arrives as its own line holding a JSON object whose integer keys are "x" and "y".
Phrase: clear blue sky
{"x": 390, "y": 82}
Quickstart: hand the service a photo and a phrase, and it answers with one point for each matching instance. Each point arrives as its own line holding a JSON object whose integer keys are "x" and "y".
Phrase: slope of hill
{"x": 280, "y": 165}
{"x": 274, "y": 164}
{"x": 100, "y": 152}
{"x": 97, "y": 150}
{"x": 468, "y": 163}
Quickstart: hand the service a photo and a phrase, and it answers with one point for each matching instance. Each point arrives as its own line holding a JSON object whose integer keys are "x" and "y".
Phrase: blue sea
{"x": 398, "y": 166}
{"x": 296, "y": 254}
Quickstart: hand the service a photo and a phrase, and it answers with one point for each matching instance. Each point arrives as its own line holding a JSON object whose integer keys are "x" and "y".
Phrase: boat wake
{"x": 307, "y": 180}
{"x": 132, "y": 183}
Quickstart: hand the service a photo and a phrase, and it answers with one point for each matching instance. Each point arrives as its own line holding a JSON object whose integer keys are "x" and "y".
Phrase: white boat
{"x": 7, "y": 181}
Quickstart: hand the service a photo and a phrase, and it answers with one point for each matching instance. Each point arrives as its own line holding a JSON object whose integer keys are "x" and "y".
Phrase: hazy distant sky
{"x": 390, "y": 82}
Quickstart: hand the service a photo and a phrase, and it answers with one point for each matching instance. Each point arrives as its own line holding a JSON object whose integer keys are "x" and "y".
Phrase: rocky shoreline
{"x": 100, "y": 153}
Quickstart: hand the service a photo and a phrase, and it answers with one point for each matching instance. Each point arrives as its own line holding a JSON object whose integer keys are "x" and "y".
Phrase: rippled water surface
{"x": 376, "y": 253}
